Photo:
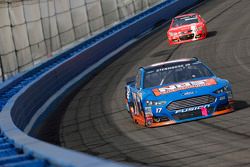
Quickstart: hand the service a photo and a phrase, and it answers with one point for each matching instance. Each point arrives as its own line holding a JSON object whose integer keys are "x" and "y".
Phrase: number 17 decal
{"x": 158, "y": 110}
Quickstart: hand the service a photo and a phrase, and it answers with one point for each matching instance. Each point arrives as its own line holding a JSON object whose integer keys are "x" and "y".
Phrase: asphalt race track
{"x": 96, "y": 121}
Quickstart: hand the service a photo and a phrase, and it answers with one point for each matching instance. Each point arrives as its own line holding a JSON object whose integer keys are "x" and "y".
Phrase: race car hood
{"x": 181, "y": 90}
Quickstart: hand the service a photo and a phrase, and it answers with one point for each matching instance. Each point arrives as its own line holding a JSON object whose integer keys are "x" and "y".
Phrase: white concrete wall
{"x": 31, "y": 30}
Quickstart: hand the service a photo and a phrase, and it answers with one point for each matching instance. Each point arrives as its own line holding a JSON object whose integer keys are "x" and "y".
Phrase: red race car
{"x": 187, "y": 28}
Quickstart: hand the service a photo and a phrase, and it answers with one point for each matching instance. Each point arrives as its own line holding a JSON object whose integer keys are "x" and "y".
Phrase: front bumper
{"x": 227, "y": 109}
{"x": 189, "y": 37}
{"x": 221, "y": 105}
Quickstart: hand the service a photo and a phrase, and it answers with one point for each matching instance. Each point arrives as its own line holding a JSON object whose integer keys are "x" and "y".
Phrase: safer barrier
{"x": 27, "y": 99}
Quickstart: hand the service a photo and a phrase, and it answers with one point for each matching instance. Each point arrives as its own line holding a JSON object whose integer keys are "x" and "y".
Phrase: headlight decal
{"x": 155, "y": 103}
{"x": 199, "y": 28}
{"x": 173, "y": 33}
{"x": 226, "y": 90}
{"x": 221, "y": 90}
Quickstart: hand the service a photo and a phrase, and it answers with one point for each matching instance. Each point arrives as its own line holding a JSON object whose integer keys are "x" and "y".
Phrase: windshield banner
{"x": 184, "y": 86}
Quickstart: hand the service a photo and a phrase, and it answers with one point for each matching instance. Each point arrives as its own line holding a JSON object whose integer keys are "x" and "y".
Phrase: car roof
{"x": 189, "y": 14}
{"x": 172, "y": 62}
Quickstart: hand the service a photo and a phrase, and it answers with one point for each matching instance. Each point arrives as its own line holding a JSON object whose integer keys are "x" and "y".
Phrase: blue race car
{"x": 176, "y": 91}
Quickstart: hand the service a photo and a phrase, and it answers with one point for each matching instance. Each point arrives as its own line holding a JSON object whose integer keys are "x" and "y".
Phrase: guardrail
{"x": 26, "y": 100}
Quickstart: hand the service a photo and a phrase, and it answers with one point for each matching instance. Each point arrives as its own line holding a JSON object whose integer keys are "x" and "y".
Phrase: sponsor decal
{"x": 128, "y": 93}
{"x": 194, "y": 30}
{"x": 222, "y": 98}
{"x": 183, "y": 86}
{"x": 172, "y": 67}
{"x": 204, "y": 111}
{"x": 148, "y": 111}
{"x": 140, "y": 95}
{"x": 202, "y": 108}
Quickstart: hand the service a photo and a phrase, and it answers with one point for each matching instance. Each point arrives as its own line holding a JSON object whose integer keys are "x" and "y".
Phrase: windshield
{"x": 177, "y": 73}
{"x": 185, "y": 20}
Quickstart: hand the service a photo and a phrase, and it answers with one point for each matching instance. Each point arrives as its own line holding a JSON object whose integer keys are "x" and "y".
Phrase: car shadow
{"x": 240, "y": 104}
{"x": 162, "y": 53}
{"x": 166, "y": 53}
{"x": 211, "y": 34}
